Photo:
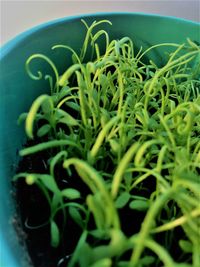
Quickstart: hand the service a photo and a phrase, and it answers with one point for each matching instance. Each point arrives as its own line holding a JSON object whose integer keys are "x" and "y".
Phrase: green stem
{"x": 47, "y": 145}
{"x": 147, "y": 225}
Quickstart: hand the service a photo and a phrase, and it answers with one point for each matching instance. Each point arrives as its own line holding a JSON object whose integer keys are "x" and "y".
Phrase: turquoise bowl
{"x": 17, "y": 91}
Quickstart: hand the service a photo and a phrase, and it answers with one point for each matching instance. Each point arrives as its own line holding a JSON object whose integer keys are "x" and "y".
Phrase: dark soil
{"x": 34, "y": 210}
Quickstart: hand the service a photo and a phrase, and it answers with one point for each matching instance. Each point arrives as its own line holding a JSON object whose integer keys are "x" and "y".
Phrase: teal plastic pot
{"x": 17, "y": 91}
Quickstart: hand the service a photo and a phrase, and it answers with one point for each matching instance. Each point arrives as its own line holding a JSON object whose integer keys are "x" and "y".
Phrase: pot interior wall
{"x": 17, "y": 90}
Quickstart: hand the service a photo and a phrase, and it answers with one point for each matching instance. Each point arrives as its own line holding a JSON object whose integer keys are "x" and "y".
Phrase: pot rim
{"x": 9, "y": 45}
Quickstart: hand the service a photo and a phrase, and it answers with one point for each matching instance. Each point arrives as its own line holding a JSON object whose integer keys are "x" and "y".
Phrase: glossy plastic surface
{"x": 17, "y": 90}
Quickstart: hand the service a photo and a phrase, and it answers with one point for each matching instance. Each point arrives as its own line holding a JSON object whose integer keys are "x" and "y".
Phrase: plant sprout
{"x": 128, "y": 129}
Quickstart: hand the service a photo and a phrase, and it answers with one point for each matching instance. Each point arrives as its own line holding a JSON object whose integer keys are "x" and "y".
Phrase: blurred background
{"x": 18, "y": 16}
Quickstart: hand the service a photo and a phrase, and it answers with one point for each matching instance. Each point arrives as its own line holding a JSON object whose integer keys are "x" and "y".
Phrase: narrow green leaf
{"x": 43, "y": 130}
{"x": 49, "y": 182}
{"x": 186, "y": 246}
{"x": 101, "y": 136}
{"x": 76, "y": 216}
{"x": 73, "y": 105}
{"x": 189, "y": 175}
{"x": 122, "y": 200}
{"x": 147, "y": 260}
{"x": 128, "y": 179}
{"x": 56, "y": 200}
{"x": 47, "y": 106}
{"x": 64, "y": 79}
{"x": 65, "y": 117}
{"x": 69, "y": 121}
{"x": 139, "y": 205}
{"x": 64, "y": 92}
{"x": 33, "y": 112}
{"x": 55, "y": 235}
{"x": 105, "y": 117}
{"x": 82, "y": 255}
{"x": 115, "y": 146}
{"x": 22, "y": 118}
{"x": 71, "y": 193}
{"x": 97, "y": 211}
{"x": 121, "y": 168}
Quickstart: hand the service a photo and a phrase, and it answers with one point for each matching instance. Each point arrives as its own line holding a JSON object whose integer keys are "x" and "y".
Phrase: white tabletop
{"x": 18, "y": 16}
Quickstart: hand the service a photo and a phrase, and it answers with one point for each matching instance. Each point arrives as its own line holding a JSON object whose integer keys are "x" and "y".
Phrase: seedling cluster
{"x": 127, "y": 129}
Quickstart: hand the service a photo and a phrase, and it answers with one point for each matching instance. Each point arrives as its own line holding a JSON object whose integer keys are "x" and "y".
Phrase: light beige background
{"x": 17, "y": 16}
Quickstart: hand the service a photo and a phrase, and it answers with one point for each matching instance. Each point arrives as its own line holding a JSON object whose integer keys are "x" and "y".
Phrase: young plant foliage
{"x": 121, "y": 136}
